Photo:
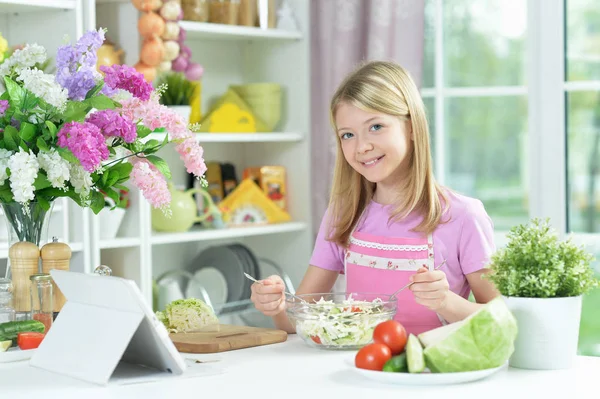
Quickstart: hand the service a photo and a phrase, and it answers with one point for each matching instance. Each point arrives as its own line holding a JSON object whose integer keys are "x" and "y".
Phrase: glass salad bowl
{"x": 342, "y": 321}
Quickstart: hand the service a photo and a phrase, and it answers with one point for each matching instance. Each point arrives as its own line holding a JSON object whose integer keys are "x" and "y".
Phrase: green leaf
{"x": 42, "y": 145}
{"x": 104, "y": 177}
{"x": 95, "y": 90}
{"x": 123, "y": 168}
{"x": 27, "y": 132}
{"x": 16, "y": 92}
{"x": 51, "y": 128}
{"x": 97, "y": 201}
{"x": 31, "y": 101}
{"x": 11, "y": 138}
{"x": 100, "y": 102}
{"x": 161, "y": 165}
{"x": 114, "y": 195}
{"x": 143, "y": 131}
{"x": 5, "y": 193}
{"x": 44, "y": 203}
{"x": 41, "y": 181}
{"x": 112, "y": 179}
{"x": 67, "y": 155}
{"x": 76, "y": 111}
{"x": 24, "y": 146}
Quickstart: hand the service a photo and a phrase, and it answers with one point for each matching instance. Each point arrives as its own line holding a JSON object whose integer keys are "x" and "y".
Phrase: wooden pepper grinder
{"x": 24, "y": 261}
{"x": 56, "y": 255}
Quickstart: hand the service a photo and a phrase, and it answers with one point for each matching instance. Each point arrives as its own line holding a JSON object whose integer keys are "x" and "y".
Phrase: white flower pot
{"x": 548, "y": 332}
{"x": 184, "y": 110}
{"x": 110, "y": 221}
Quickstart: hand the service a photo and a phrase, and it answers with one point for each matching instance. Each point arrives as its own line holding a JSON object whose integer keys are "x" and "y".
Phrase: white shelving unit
{"x": 230, "y": 55}
{"x": 275, "y": 137}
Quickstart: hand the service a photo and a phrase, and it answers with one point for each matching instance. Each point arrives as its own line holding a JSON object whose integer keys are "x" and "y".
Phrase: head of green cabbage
{"x": 187, "y": 315}
{"x": 481, "y": 341}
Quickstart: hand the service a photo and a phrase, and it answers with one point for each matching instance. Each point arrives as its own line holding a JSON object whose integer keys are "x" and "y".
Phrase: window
{"x": 582, "y": 114}
{"x": 512, "y": 90}
{"x": 474, "y": 83}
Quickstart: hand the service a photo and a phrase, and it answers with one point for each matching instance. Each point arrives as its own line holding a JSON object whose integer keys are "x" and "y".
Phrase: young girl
{"x": 388, "y": 222}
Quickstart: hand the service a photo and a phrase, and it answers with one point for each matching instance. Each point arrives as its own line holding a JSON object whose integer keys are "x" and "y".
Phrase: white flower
{"x": 23, "y": 171}
{"x": 57, "y": 169}
{"x": 81, "y": 180}
{"x": 24, "y": 58}
{"x": 4, "y": 156}
{"x": 44, "y": 86}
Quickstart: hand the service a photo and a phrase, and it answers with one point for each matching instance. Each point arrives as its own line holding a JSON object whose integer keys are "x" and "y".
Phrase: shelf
{"x": 120, "y": 242}
{"x": 204, "y": 30}
{"x": 75, "y": 247}
{"x": 17, "y": 6}
{"x": 275, "y": 137}
{"x": 219, "y": 234}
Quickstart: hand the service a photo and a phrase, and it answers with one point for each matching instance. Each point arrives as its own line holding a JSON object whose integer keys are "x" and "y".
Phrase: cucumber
{"x": 10, "y": 330}
{"x": 414, "y": 355}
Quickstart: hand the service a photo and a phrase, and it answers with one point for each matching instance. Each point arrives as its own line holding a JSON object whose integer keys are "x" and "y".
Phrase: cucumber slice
{"x": 4, "y": 345}
{"x": 414, "y": 355}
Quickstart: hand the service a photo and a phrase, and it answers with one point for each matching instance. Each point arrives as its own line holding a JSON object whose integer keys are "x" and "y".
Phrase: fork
{"x": 411, "y": 283}
{"x": 249, "y": 277}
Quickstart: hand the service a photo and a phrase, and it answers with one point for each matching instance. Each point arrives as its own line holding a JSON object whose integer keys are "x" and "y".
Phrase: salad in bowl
{"x": 339, "y": 320}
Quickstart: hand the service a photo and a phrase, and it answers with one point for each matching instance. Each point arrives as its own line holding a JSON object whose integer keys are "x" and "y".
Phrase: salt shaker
{"x": 24, "y": 261}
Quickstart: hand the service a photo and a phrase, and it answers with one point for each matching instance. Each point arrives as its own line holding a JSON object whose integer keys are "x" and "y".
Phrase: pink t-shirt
{"x": 466, "y": 240}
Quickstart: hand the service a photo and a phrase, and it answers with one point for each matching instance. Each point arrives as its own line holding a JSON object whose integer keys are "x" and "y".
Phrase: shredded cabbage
{"x": 186, "y": 315}
{"x": 347, "y": 324}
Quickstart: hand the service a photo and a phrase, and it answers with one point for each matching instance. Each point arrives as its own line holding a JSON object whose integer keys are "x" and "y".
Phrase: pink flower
{"x": 86, "y": 142}
{"x": 151, "y": 183}
{"x": 126, "y": 78}
{"x": 192, "y": 155}
{"x": 112, "y": 124}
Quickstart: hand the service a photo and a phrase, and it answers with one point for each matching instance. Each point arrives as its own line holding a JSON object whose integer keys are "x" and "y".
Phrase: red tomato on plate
{"x": 372, "y": 356}
{"x": 392, "y": 334}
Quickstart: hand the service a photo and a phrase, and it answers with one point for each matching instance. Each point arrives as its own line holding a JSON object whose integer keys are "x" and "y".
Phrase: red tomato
{"x": 316, "y": 339}
{"x": 29, "y": 340}
{"x": 372, "y": 357}
{"x": 392, "y": 334}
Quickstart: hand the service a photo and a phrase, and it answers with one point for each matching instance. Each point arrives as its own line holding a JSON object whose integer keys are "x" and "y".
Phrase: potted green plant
{"x": 176, "y": 92}
{"x": 543, "y": 279}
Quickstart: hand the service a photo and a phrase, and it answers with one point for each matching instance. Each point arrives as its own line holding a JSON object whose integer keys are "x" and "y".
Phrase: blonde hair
{"x": 387, "y": 88}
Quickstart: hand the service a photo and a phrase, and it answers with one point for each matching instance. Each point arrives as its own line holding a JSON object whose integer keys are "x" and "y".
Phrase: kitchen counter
{"x": 294, "y": 370}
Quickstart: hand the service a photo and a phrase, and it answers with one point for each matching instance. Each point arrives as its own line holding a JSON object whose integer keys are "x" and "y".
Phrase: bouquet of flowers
{"x": 82, "y": 134}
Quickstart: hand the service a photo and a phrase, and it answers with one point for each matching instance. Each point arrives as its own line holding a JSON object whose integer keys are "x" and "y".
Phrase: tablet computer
{"x": 105, "y": 321}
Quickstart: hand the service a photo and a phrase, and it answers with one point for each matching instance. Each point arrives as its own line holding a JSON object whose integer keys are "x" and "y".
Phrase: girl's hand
{"x": 430, "y": 288}
{"x": 268, "y": 297}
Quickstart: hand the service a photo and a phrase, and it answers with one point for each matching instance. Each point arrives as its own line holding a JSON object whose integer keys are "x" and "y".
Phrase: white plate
{"x": 214, "y": 283}
{"x": 425, "y": 378}
{"x": 15, "y": 355}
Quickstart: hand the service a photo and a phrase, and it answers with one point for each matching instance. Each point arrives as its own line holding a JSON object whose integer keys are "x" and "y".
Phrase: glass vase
{"x": 27, "y": 225}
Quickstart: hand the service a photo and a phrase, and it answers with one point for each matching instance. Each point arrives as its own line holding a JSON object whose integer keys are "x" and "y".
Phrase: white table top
{"x": 294, "y": 370}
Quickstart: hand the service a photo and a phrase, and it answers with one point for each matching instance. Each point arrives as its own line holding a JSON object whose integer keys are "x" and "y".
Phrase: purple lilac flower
{"x": 111, "y": 123}
{"x": 126, "y": 78}
{"x": 3, "y": 106}
{"x": 86, "y": 142}
{"x": 76, "y": 64}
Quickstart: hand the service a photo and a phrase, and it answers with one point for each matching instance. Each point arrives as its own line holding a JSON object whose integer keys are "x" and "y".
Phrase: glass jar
{"x": 41, "y": 299}
{"x": 224, "y": 11}
{"x": 196, "y": 10}
{"x": 7, "y": 312}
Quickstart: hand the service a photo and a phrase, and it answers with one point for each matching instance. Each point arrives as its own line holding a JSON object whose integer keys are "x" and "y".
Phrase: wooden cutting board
{"x": 229, "y": 337}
